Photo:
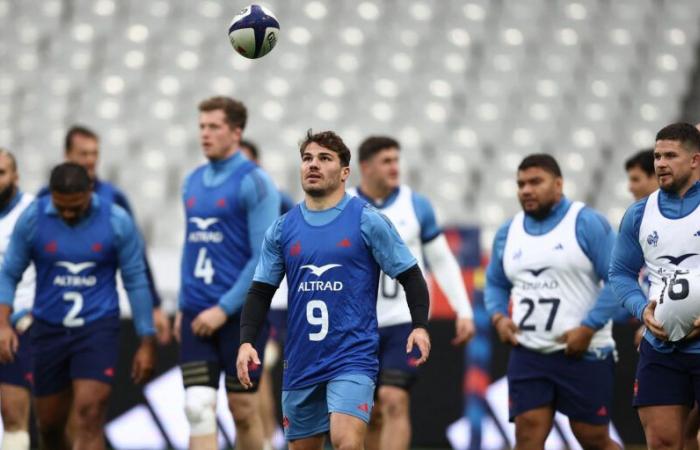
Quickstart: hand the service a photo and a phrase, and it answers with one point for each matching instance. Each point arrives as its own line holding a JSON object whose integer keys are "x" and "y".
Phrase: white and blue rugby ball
{"x": 253, "y": 32}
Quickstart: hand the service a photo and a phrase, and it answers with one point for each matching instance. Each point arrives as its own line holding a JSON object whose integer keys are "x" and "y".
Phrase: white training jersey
{"x": 24, "y": 295}
{"x": 392, "y": 308}
{"x": 671, "y": 250}
{"x": 279, "y": 300}
{"x": 554, "y": 284}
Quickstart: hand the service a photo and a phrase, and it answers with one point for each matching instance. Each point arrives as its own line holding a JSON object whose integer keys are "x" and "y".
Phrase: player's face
{"x": 321, "y": 171}
{"x": 71, "y": 207}
{"x": 640, "y": 184}
{"x": 382, "y": 169}
{"x": 8, "y": 179}
{"x": 84, "y": 151}
{"x": 674, "y": 165}
{"x": 217, "y": 138}
{"x": 538, "y": 190}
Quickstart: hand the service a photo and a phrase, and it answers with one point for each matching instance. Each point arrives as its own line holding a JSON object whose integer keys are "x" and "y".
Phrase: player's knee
{"x": 15, "y": 440}
{"x": 394, "y": 401}
{"x": 244, "y": 409}
{"x": 346, "y": 441}
{"x": 663, "y": 441}
{"x": 594, "y": 440}
{"x": 200, "y": 409}
{"x": 90, "y": 414}
{"x": 15, "y": 415}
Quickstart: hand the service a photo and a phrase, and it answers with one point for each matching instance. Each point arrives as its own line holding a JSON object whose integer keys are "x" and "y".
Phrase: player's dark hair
{"x": 685, "y": 133}
{"x": 235, "y": 111}
{"x": 69, "y": 178}
{"x": 252, "y": 147}
{"x": 644, "y": 159}
{"x": 374, "y": 144}
{"x": 11, "y": 156}
{"x": 78, "y": 130}
{"x": 329, "y": 140}
{"x": 544, "y": 161}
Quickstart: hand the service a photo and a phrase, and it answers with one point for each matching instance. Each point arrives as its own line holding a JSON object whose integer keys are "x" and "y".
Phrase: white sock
{"x": 15, "y": 440}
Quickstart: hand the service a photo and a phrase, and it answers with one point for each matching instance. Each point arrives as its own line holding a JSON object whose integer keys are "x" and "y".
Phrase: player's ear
{"x": 559, "y": 183}
{"x": 344, "y": 173}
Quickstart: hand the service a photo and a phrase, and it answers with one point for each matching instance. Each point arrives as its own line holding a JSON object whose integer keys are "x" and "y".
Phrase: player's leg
{"x": 374, "y": 428}
{"x": 14, "y": 407}
{"x": 267, "y": 402}
{"x": 305, "y": 417}
{"x": 243, "y": 403}
{"x": 663, "y": 425}
{"x": 349, "y": 400}
{"x": 52, "y": 413}
{"x": 397, "y": 374}
{"x": 15, "y": 399}
{"x": 89, "y": 412}
{"x": 200, "y": 375}
{"x": 663, "y": 396}
{"x": 691, "y": 429}
{"x": 593, "y": 437}
{"x": 531, "y": 397}
{"x": 95, "y": 351}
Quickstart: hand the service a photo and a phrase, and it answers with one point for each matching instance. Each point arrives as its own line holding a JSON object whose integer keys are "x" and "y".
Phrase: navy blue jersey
{"x": 217, "y": 244}
{"x": 75, "y": 267}
{"x": 333, "y": 279}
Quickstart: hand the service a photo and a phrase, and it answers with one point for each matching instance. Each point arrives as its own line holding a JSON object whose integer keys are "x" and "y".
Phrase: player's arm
{"x": 497, "y": 291}
{"x": 16, "y": 261}
{"x": 445, "y": 268}
{"x": 262, "y": 202}
{"x": 130, "y": 255}
{"x": 396, "y": 260}
{"x": 626, "y": 262}
{"x": 268, "y": 275}
{"x": 596, "y": 238}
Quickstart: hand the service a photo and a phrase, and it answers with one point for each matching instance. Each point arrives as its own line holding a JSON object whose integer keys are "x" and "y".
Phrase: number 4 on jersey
{"x": 204, "y": 268}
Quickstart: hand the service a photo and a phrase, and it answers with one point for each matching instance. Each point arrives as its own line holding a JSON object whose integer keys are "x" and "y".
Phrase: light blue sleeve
{"x": 183, "y": 191}
{"x": 388, "y": 249}
{"x": 18, "y": 255}
{"x": 429, "y": 228}
{"x": 262, "y": 203}
{"x": 597, "y": 238}
{"x": 270, "y": 269}
{"x": 133, "y": 270}
{"x": 498, "y": 286}
{"x": 627, "y": 260}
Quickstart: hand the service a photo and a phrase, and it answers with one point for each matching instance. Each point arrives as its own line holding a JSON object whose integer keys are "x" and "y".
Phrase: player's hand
{"x": 8, "y": 343}
{"x": 419, "y": 336}
{"x": 164, "y": 333}
{"x": 247, "y": 357}
{"x": 651, "y": 323}
{"x": 144, "y": 360}
{"x": 577, "y": 340}
{"x": 464, "y": 331}
{"x": 506, "y": 329}
{"x": 695, "y": 332}
{"x": 208, "y": 321}
{"x": 177, "y": 326}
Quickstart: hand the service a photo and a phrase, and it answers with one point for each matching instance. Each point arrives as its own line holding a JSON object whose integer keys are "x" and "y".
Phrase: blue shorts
{"x": 277, "y": 318}
{"x": 19, "y": 371}
{"x": 219, "y": 352}
{"x": 580, "y": 388}
{"x": 306, "y": 411}
{"x": 396, "y": 367}
{"x": 666, "y": 378}
{"x": 61, "y": 354}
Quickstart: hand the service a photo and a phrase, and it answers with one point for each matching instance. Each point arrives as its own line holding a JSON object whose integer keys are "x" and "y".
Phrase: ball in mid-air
{"x": 253, "y": 32}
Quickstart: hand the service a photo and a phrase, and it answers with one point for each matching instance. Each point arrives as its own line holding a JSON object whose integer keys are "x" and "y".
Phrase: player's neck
{"x": 375, "y": 192}
{"x": 229, "y": 153}
{"x": 325, "y": 202}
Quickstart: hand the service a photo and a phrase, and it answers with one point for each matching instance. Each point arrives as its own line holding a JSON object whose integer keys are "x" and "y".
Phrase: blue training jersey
{"x": 332, "y": 261}
{"x": 76, "y": 265}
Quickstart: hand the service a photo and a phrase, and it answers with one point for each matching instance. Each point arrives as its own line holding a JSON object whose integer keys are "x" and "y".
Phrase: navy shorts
{"x": 19, "y": 371}
{"x": 396, "y": 367}
{"x": 277, "y": 319}
{"x": 61, "y": 354}
{"x": 219, "y": 352}
{"x": 666, "y": 378}
{"x": 580, "y": 388}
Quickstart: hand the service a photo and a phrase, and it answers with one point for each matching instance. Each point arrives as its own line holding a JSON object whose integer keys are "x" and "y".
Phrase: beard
{"x": 542, "y": 211}
{"x": 6, "y": 195}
